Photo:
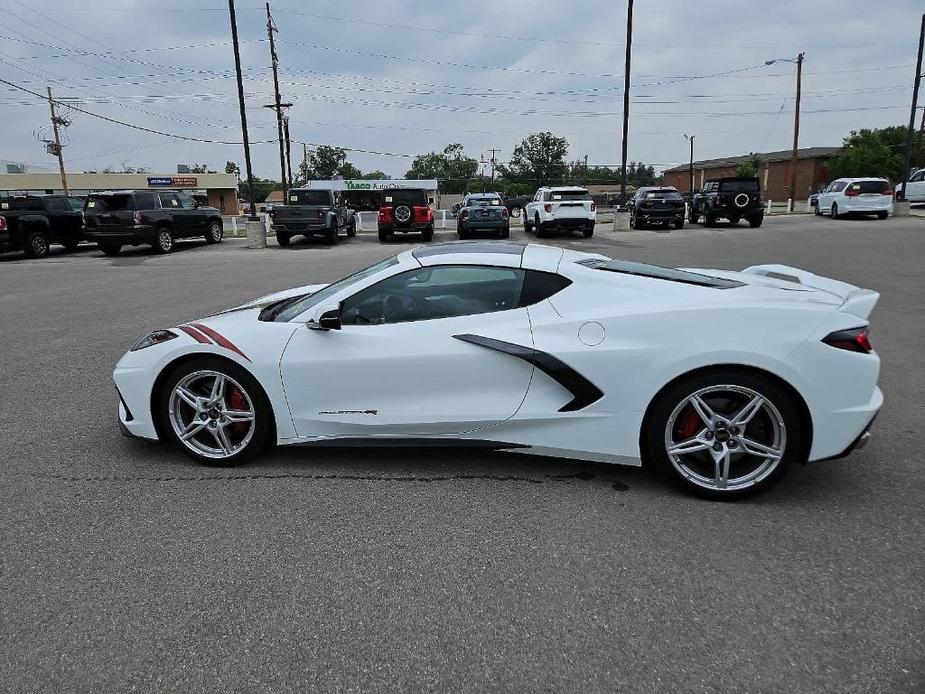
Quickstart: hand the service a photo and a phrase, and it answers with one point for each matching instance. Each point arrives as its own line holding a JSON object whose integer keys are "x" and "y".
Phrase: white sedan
{"x": 846, "y": 196}
{"x": 721, "y": 380}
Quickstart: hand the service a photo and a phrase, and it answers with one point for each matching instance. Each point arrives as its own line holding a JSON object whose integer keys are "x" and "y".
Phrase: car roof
{"x": 563, "y": 188}
{"x": 531, "y": 256}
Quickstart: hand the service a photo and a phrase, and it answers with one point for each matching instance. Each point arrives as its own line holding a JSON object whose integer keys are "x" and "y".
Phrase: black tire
{"x": 505, "y": 233}
{"x": 671, "y": 401}
{"x": 692, "y": 216}
{"x": 352, "y": 228}
{"x": 37, "y": 244}
{"x": 70, "y": 245}
{"x": 635, "y": 223}
{"x": 330, "y": 236}
{"x": 163, "y": 241}
{"x": 587, "y": 233}
{"x": 283, "y": 239}
{"x": 756, "y": 222}
{"x": 263, "y": 413}
{"x": 883, "y": 215}
{"x": 733, "y": 221}
{"x": 528, "y": 227}
{"x": 816, "y": 210}
{"x": 384, "y": 236}
{"x": 428, "y": 233}
{"x": 215, "y": 232}
{"x": 834, "y": 210}
{"x": 679, "y": 224}
{"x": 538, "y": 228}
{"x": 110, "y": 248}
{"x": 708, "y": 219}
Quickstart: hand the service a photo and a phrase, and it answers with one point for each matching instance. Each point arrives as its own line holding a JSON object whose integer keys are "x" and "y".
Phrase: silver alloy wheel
{"x": 733, "y": 437}
{"x": 165, "y": 240}
{"x": 39, "y": 244}
{"x": 217, "y": 231}
{"x": 205, "y": 417}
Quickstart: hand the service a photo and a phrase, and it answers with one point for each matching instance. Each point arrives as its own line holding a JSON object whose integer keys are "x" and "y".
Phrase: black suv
{"x": 33, "y": 222}
{"x": 732, "y": 198}
{"x": 403, "y": 210}
{"x": 313, "y": 213}
{"x": 656, "y": 205}
{"x": 136, "y": 217}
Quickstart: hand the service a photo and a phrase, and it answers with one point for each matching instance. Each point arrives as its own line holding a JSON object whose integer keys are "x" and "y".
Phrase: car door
{"x": 179, "y": 222}
{"x": 915, "y": 188}
{"x": 403, "y": 362}
{"x": 195, "y": 218}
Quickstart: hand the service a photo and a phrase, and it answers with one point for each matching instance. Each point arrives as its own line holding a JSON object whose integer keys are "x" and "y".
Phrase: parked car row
{"x": 32, "y": 223}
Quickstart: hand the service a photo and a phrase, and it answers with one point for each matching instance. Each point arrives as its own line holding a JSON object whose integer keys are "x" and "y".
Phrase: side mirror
{"x": 326, "y": 318}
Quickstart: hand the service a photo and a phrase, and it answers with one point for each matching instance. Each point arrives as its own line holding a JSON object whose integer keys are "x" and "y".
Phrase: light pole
{"x": 690, "y": 138}
{"x": 796, "y": 122}
{"x": 626, "y": 96}
{"x": 910, "y": 138}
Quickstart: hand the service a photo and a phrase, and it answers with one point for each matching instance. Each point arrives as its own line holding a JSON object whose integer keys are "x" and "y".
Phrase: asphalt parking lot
{"x": 125, "y": 567}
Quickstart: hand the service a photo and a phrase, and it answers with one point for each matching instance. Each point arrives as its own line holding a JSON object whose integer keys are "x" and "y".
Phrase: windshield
{"x": 410, "y": 196}
{"x": 312, "y": 300}
{"x": 746, "y": 186}
{"x": 309, "y": 197}
{"x": 570, "y": 195}
{"x": 103, "y": 203}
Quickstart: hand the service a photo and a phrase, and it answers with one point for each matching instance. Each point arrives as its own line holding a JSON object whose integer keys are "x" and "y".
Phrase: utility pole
{"x": 55, "y": 121}
{"x": 492, "y": 162}
{"x": 247, "y": 146}
{"x": 796, "y": 135}
{"x": 910, "y": 138}
{"x": 288, "y": 150}
{"x": 690, "y": 138}
{"x": 626, "y": 96}
{"x": 271, "y": 29}
{"x": 304, "y": 170}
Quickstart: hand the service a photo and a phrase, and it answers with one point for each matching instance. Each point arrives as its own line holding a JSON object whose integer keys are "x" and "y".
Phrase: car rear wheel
{"x": 679, "y": 224}
{"x": 37, "y": 244}
{"x": 834, "y": 210}
{"x": 330, "y": 236}
{"x": 692, "y": 216}
{"x": 215, "y": 232}
{"x": 384, "y": 236}
{"x": 528, "y": 227}
{"x": 215, "y": 412}
{"x": 282, "y": 238}
{"x": 428, "y": 233}
{"x": 708, "y": 219}
{"x": 505, "y": 233}
{"x": 724, "y": 434}
{"x": 352, "y": 227}
{"x": 163, "y": 242}
{"x": 110, "y": 248}
{"x": 755, "y": 222}
{"x": 883, "y": 215}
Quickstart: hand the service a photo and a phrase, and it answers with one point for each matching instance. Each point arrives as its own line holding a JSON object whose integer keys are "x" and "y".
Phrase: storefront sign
{"x": 358, "y": 184}
{"x": 173, "y": 181}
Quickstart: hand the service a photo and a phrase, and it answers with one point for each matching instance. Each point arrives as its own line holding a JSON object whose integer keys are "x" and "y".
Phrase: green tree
{"x": 451, "y": 167}
{"x": 201, "y": 169}
{"x": 375, "y": 175}
{"x": 262, "y": 188}
{"x": 876, "y": 152}
{"x": 232, "y": 168}
{"x": 539, "y": 158}
{"x": 751, "y": 167}
{"x": 348, "y": 170}
{"x": 639, "y": 175}
{"x": 326, "y": 161}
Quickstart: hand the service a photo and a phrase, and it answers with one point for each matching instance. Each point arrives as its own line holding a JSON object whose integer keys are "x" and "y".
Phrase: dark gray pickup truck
{"x": 32, "y": 223}
{"x": 310, "y": 212}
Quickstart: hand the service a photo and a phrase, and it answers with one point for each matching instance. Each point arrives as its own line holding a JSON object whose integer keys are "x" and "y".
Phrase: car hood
{"x": 268, "y": 299}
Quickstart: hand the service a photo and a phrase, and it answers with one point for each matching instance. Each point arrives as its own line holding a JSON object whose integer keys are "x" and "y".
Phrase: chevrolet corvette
{"x": 720, "y": 380}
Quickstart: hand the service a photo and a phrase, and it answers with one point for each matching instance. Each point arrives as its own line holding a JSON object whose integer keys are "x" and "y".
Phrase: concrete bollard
{"x": 901, "y": 208}
{"x": 256, "y": 234}
{"x": 621, "y": 220}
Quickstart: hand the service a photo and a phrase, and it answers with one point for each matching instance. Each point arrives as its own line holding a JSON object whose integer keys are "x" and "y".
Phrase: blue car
{"x": 483, "y": 213}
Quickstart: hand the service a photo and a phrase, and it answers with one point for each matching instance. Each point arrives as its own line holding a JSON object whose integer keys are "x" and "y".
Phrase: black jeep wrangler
{"x": 136, "y": 217}
{"x": 313, "y": 212}
{"x": 403, "y": 210}
{"x": 731, "y": 198}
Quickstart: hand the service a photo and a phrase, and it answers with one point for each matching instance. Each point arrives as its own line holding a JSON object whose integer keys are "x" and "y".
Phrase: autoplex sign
{"x": 357, "y": 184}
{"x": 174, "y": 181}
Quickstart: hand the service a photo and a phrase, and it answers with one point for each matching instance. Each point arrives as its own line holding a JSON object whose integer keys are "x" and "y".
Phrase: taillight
{"x": 464, "y": 215}
{"x": 593, "y": 207}
{"x": 717, "y": 200}
{"x": 504, "y": 213}
{"x": 385, "y": 215}
{"x": 888, "y": 191}
{"x": 853, "y": 340}
{"x": 852, "y": 192}
{"x": 137, "y": 217}
{"x": 2, "y": 223}
{"x": 547, "y": 207}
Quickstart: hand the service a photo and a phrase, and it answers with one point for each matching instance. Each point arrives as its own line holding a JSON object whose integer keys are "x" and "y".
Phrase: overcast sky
{"x": 410, "y": 76}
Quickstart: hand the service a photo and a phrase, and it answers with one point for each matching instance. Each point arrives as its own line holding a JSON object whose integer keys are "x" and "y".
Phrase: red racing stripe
{"x": 220, "y": 339}
{"x": 196, "y": 335}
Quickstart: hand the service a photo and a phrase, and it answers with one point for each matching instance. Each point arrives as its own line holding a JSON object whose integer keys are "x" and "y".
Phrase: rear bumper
{"x": 744, "y": 213}
{"x": 134, "y": 235}
{"x": 861, "y": 205}
{"x": 486, "y": 224}
{"x": 568, "y": 223}
{"x": 416, "y": 226}
{"x": 303, "y": 228}
{"x": 660, "y": 215}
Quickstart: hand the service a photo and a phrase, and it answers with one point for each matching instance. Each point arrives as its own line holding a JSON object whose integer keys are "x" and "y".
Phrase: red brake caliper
{"x": 237, "y": 402}
{"x": 688, "y": 424}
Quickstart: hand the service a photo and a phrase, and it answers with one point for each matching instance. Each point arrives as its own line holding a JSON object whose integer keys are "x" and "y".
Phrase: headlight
{"x": 154, "y": 338}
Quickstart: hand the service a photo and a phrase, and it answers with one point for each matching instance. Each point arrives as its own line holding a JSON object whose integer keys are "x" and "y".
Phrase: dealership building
{"x": 218, "y": 190}
{"x": 364, "y": 194}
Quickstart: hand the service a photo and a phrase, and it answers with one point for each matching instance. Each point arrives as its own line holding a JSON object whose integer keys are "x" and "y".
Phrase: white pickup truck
{"x": 915, "y": 187}
{"x": 563, "y": 207}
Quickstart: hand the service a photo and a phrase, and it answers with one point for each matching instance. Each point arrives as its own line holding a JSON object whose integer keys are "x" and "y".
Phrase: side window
{"x": 188, "y": 202}
{"x": 145, "y": 201}
{"x": 56, "y": 205}
{"x": 838, "y": 186}
{"x": 920, "y": 176}
{"x": 538, "y": 286}
{"x": 435, "y": 292}
{"x": 169, "y": 201}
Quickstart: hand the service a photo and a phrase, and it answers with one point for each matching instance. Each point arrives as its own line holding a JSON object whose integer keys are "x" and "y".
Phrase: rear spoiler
{"x": 857, "y": 301}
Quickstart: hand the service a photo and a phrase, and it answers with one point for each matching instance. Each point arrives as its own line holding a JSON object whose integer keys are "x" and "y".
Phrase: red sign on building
{"x": 184, "y": 182}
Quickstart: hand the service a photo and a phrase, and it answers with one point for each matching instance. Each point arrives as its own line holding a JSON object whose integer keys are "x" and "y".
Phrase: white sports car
{"x": 721, "y": 380}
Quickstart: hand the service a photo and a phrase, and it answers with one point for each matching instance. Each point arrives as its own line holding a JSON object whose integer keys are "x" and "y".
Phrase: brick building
{"x": 812, "y": 172}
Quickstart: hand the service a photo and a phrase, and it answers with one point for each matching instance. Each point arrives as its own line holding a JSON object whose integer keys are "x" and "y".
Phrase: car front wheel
{"x": 215, "y": 232}
{"x": 215, "y": 412}
{"x": 724, "y": 434}
{"x": 163, "y": 242}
